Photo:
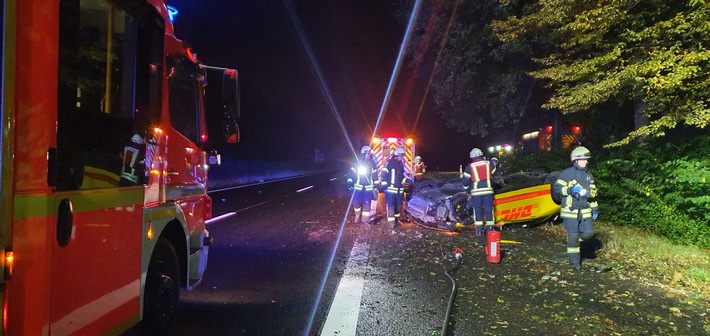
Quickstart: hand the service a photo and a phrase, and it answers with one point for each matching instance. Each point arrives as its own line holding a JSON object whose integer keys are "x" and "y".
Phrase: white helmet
{"x": 399, "y": 150}
{"x": 494, "y": 159}
{"x": 137, "y": 139}
{"x": 365, "y": 149}
{"x": 475, "y": 152}
{"x": 417, "y": 159}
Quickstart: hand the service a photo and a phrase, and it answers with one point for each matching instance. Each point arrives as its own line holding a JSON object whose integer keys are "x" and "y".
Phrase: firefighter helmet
{"x": 399, "y": 150}
{"x": 365, "y": 149}
{"x": 417, "y": 159}
{"x": 580, "y": 153}
{"x": 475, "y": 152}
{"x": 137, "y": 139}
{"x": 494, "y": 159}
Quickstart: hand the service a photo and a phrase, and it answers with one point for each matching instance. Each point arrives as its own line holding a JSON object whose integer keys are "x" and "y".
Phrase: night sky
{"x": 285, "y": 115}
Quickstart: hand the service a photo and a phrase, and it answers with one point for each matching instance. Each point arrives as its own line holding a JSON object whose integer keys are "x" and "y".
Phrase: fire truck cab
{"x": 104, "y": 165}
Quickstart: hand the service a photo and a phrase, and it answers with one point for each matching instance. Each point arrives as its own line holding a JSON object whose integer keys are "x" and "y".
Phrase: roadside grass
{"x": 657, "y": 261}
{"x": 641, "y": 255}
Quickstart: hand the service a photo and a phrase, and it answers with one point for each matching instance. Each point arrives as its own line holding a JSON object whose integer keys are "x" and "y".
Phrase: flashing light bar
{"x": 172, "y": 13}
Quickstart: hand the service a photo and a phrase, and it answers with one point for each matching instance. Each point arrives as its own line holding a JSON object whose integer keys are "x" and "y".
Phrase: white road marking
{"x": 345, "y": 309}
{"x": 304, "y": 189}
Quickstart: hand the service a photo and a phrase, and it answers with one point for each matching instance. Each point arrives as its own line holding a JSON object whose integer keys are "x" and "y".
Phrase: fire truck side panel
{"x": 34, "y": 110}
{"x": 87, "y": 277}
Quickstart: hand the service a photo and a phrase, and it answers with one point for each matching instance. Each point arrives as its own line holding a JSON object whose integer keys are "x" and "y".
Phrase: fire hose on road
{"x": 458, "y": 254}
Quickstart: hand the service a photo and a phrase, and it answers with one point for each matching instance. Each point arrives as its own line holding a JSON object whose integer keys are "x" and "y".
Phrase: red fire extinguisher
{"x": 493, "y": 246}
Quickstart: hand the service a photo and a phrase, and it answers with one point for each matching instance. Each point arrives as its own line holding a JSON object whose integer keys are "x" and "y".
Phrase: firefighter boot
{"x": 575, "y": 260}
{"x": 357, "y": 217}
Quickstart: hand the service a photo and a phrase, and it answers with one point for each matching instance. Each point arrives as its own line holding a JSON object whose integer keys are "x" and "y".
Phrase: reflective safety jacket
{"x": 576, "y": 206}
{"x": 394, "y": 177}
{"x": 477, "y": 178}
{"x": 419, "y": 170}
{"x": 363, "y": 174}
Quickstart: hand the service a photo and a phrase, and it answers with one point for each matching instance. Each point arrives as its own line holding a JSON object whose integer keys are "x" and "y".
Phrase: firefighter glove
{"x": 576, "y": 190}
{"x": 595, "y": 213}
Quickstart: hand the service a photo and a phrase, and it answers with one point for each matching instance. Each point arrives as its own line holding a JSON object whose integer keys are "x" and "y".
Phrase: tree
{"x": 653, "y": 53}
{"x": 479, "y": 83}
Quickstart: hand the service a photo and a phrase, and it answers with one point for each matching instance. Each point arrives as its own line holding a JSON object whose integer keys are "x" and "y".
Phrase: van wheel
{"x": 162, "y": 289}
{"x": 461, "y": 211}
{"x": 424, "y": 185}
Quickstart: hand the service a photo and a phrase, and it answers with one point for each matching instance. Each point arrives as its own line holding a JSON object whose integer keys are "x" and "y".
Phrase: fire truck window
{"x": 104, "y": 88}
{"x": 184, "y": 89}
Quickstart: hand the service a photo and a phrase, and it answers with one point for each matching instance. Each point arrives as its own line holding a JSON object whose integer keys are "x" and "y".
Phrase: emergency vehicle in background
{"x": 104, "y": 165}
{"x": 383, "y": 148}
{"x": 544, "y": 138}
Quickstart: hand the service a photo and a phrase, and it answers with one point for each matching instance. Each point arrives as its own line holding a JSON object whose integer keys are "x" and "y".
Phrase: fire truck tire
{"x": 162, "y": 289}
{"x": 461, "y": 211}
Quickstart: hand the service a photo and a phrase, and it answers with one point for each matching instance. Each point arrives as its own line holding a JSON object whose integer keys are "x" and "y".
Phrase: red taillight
{"x": 548, "y": 129}
{"x": 203, "y": 138}
{"x": 576, "y": 129}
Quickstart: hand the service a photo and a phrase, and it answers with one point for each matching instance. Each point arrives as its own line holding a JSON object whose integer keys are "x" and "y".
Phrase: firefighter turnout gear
{"x": 361, "y": 181}
{"x": 576, "y": 188}
{"x": 133, "y": 170}
{"x": 477, "y": 179}
{"x": 393, "y": 180}
{"x": 419, "y": 168}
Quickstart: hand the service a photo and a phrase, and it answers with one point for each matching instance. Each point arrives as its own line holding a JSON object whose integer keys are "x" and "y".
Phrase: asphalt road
{"x": 266, "y": 276}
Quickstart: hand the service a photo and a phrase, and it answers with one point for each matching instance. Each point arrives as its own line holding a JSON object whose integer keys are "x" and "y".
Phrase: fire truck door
{"x": 96, "y": 261}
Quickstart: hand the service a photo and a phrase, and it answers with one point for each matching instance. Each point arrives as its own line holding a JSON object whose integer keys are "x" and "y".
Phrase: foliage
{"x": 661, "y": 187}
{"x": 651, "y": 52}
{"x": 479, "y": 85}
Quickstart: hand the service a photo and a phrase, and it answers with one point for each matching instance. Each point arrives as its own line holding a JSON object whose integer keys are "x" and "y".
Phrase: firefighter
{"x": 361, "y": 181}
{"x": 394, "y": 179}
{"x": 133, "y": 169}
{"x": 419, "y": 168}
{"x": 478, "y": 180}
{"x": 578, "y": 209}
{"x": 497, "y": 173}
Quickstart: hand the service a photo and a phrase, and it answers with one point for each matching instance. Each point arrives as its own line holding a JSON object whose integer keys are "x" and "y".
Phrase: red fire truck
{"x": 382, "y": 149}
{"x": 104, "y": 165}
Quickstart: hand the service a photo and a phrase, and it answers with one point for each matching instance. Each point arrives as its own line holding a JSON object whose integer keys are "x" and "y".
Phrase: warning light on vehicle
{"x": 548, "y": 129}
{"x": 392, "y": 140}
{"x": 172, "y": 13}
{"x": 410, "y": 141}
{"x": 576, "y": 129}
{"x": 9, "y": 260}
{"x": 149, "y": 233}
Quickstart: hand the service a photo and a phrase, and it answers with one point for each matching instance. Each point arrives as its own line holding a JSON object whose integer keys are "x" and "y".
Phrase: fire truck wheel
{"x": 162, "y": 290}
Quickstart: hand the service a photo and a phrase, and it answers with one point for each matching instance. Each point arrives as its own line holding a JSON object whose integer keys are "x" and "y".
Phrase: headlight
{"x": 362, "y": 170}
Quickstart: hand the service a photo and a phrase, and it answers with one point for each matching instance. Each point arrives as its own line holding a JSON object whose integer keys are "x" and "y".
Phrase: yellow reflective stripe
{"x": 564, "y": 186}
{"x": 43, "y": 205}
{"x": 573, "y": 249}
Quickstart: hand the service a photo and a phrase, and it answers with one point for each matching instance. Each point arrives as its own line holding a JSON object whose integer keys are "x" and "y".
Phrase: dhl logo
{"x": 516, "y": 213}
